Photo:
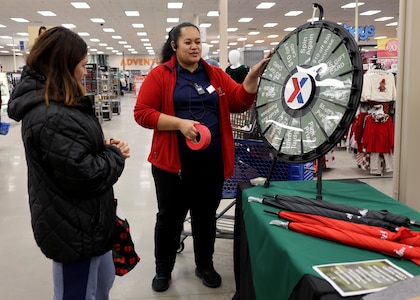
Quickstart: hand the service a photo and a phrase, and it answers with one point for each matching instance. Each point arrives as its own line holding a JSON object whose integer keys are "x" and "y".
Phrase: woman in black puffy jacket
{"x": 71, "y": 166}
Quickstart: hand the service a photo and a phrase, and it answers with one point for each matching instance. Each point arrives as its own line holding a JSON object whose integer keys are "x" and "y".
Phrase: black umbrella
{"x": 364, "y": 212}
{"x": 322, "y": 211}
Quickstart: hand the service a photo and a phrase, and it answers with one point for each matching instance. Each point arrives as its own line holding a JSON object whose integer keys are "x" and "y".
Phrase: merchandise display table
{"x": 274, "y": 263}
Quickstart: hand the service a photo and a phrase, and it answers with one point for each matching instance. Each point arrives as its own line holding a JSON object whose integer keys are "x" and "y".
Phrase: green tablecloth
{"x": 280, "y": 257}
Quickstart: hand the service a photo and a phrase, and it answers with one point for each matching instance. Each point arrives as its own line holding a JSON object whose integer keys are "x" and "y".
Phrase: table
{"x": 273, "y": 263}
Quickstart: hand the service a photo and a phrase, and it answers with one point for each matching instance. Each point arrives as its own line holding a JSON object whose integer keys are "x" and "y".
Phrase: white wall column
{"x": 407, "y": 120}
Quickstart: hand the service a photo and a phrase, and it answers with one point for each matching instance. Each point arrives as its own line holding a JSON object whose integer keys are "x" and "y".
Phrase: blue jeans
{"x": 88, "y": 279}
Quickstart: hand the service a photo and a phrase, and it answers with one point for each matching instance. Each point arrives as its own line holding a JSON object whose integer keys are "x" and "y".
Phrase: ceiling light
{"x": 144, "y": 40}
{"x": 253, "y": 33}
{"x": 293, "y": 13}
{"x": 109, "y": 29}
{"x": 265, "y": 5}
{"x": 383, "y": 19}
{"x": 249, "y": 45}
{"x": 132, "y": 13}
{"x": 233, "y": 43}
{"x": 241, "y": 39}
{"x": 94, "y": 40}
{"x": 127, "y": 46}
{"x": 370, "y": 12}
{"x": 142, "y": 33}
{"x": 80, "y": 5}
{"x": 6, "y": 37}
{"x": 138, "y": 25}
{"x": 97, "y": 20}
{"x": 115, "y": 51}
{"x": 69, "y": 26}
{"x": 214, "y": 42}
{"x": 259, "y": 41}
{"x": 19, "y": 20}
{"x": 23, "y": 34}
{"x": 205, "y": 25}
{"x": 147, "y": 44}
{"x": 273, "y": 43}
{"x": 109, "y": 48}
{"x": 93, "y": 49}
{"x": 270, "y": 24}
{"x": 2, "y": 26}
{"x": 103, "y": 44}
{"x": 272, "y": 36}
{"x": 83, "y": 33}
{"x": 245, "y": 20}
{"x": 352, "y": 5}
{"x": 100, "y": 52}
{"x": 213, "y": 13}
{"x": 172, "y": 20}
{"x": 392, "y": 24}
{"x": 117, "y": 37}
{"x": 289, "y": 28}
{"x": 175, "y": 5}
{"x": 46, "y": 13}
{"x": 232, "y": 29}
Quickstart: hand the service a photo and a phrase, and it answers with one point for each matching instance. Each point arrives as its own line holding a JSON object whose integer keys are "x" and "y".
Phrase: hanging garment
{"x": 379, "y": 87}
{"x": 378, "y": 134}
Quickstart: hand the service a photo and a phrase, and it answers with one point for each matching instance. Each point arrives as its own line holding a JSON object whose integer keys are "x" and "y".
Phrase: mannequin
{"x": 205, "y": 55}
{"x": 236, "y": 70}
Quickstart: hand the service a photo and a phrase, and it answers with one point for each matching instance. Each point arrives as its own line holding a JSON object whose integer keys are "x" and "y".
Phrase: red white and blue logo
{"x": 298, "y": 90}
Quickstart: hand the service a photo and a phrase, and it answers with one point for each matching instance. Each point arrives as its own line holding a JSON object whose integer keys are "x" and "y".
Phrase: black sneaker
{"x": 160, "y": 283}
{"x": 209, "y": 276}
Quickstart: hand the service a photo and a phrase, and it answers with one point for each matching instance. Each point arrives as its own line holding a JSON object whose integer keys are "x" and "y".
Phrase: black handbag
{"x": 123, "y": 253}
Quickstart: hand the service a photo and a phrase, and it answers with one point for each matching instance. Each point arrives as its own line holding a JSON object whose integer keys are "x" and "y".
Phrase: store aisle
{"x": 26, "y": 273}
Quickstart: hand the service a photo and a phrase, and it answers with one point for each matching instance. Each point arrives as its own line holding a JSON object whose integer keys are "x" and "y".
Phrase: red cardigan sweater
{"x": 156, "y": 97}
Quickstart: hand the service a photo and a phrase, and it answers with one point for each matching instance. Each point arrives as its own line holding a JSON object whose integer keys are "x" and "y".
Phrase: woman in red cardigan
{"x": 176, "y": 96}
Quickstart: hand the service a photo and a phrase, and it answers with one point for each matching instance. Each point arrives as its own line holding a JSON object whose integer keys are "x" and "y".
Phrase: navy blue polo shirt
{"x": 197, "y": 104}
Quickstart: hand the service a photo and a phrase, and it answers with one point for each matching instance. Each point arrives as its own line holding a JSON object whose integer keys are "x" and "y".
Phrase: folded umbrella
{"x": 364, "y": 212}
{"x": 321, "y": 211}
{"x": 354, "y": 239}
{"x": 403, "y": 235}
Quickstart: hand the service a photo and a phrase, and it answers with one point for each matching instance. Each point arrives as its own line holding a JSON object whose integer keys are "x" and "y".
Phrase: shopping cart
{"x": 253, "y": 159}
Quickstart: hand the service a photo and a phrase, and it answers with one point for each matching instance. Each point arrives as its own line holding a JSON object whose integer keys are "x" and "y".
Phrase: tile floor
{"x": 26, "y": 274}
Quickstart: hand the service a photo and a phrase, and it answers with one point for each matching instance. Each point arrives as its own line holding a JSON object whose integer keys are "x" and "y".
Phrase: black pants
{"x": 198, "y": 190}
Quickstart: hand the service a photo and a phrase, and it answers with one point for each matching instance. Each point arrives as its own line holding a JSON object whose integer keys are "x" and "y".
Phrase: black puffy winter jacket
{"x": 71, "y": 172}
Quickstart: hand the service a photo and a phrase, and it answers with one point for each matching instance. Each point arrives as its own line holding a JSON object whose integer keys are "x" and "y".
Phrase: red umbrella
{"x": 403, "y": 235}
{"x": 354, "y": 239}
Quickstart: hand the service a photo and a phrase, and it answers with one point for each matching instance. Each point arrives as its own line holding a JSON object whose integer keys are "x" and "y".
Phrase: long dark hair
{"x": 55, "y": 55}
{"x": 167, "y": 51}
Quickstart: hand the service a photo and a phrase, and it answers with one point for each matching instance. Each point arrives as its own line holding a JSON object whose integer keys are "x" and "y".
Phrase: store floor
{"x": 25, "y": 274}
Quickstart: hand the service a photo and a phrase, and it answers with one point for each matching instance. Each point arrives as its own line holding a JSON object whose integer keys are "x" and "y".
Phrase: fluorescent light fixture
{"x": 383, "y": 19}
{"x": 289, "y": 28}
{"x": 172, "y": 20}
{"x": 145, "y": 40}
{"x": 93, "y": 49}
{"x": 293, "y": 13}
{"x": 100, "y": 52}
{"x": 241, "y": 39}
{"x": 265, "y": 5}
{"x": 270, "y": 25}
{"x": 259, "y": 41}
{"x": 115, "y": 51}
{"x": 214, "y": 42}
{"x": 272, "y": 36}
{"x": 46, "y": 13}
{"x": 19, "y": 20}
{"x": 273, "y": 43}
{"x": 233, "y": 43}
{"x": 352, "y": 5}
{"x": 69, "y": 26}
{"x": 109, "y": 29}
{"x": 213, "y": 13}
{"x": 97, "y": 20}
{"x": 83, "y": 33}
{"x": 103, "y": 44}
{"x": 245, "y": 20}
{"x": 23, "y": 34}
{"x": 127, "y": 46}
{"x": 142, "y": 33}
{"x": 132, "y": 13}
{"x": 109, "y": 48}
{"x": 392, "y": 24}
{"x": 147, "y": 44}
{"x": 370, "y": 12}
{"x": 117, "y": 37}
{"x": 249, "y": 45}
{"x": 5, "y": 37}
{"x": 80, "y": 5}
{"x": 253, "y": 33}
{"x": 94, "y": 40}
{"x": 205, "y": 25}
{"x": 138, "y": 25}
{"x": 175, "y": 5}
{"x": 231, "y": 29}
{"x": 2, "y": 26}
{"x": 122, "y": 42}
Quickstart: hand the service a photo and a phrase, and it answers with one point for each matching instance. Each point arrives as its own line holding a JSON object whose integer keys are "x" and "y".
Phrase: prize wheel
{"x": 309, "y": 92}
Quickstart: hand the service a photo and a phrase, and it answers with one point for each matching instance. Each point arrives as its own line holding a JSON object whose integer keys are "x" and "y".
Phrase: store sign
{"x": 137, "y": 62}
{"x": 364, "y": 32}
{"x": 387, "y": 47}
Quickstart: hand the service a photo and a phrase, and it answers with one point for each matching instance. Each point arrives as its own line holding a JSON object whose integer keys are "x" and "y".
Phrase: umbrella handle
{"x": 280, "y": 223}
{"x": 255, "y": 199}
